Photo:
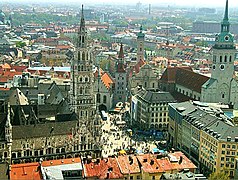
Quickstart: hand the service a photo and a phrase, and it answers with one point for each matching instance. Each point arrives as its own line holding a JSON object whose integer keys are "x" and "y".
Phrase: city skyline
{"x": 201, "y": 3}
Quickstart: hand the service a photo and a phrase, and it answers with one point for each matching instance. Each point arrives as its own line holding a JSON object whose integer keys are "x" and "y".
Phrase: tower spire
{"x": 225, "y": 25}
{"x": 121, "y": 53}
{"x": 82, "y": 21}
{"x": 226, "y": 12}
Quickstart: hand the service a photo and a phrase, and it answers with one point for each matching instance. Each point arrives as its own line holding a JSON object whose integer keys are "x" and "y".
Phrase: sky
{"x": 191, "y": 3}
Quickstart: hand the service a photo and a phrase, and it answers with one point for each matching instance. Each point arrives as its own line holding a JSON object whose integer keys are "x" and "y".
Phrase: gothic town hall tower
{"x": 82, "y": 97}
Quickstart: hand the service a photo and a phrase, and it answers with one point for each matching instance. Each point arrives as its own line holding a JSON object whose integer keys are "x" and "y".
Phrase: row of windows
{"x": 159, "y": 114}
{"x": 229, "y": 146}
{"x": 159, "y": 120}
{"x": 221, "y": 59}
{"x": 99, "y": 99}
{"x": 161, "y": 109}
{"x": 233, "y": 153}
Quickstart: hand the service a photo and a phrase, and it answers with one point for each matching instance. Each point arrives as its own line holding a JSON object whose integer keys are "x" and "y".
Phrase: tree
{"x": 20, "y": 44}
{"x": 222, "y": 174}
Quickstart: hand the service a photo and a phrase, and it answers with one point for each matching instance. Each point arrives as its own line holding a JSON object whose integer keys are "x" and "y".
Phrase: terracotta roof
{"x": 25, "y": 171}
{"x": 190, "y": 79}
{"x": 18, "y": 68}
{"x": 5, "y": 66}
{"x": 61, "y": 162}
{"x": 4, "y": 89}
{"x": 107, "y": 80}
{"x": 104, "y": 169}
{"x": 185, "y": 163}
{"x": 149, "y": 163}
{"x": 128, "y": 164}
{"x": 170, "y": 74}
{"x": 138, "y": 65}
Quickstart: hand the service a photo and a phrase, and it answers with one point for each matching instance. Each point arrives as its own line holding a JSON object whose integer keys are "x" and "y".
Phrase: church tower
{"x": 140, "y": 45}
{"x": 120, "y": 93}
{"x": 82, "y": 97}
{"x": 218, "y": 87}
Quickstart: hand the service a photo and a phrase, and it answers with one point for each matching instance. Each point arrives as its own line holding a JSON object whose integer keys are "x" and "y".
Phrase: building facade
{"x": 146, "y": 78}
{"x": 149, "y": 109}
{"x": 222, "y": 87}
{"x": 205, "y": 134}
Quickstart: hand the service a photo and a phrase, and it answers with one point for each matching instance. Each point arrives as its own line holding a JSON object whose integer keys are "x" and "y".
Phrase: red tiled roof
{"x": 190, "y": 79}
{"x": 18, "y": 68}
{"x": 61, "y": 162}
{"x": 5, "y": 66}
{"x": 4, "y": 89}
{"x": 170, "y": 74}
{"x": 149, "y": 163}
{"x": 128, "y": 165}
{"x": 25, "y": 171}
{"x": 107, "y": 80}
{"x": 185, "y": 163}
{"x": 105, "y": 169}
{"x": 138, "y": 65}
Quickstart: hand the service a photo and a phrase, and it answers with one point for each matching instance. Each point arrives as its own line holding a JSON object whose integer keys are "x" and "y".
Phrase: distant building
{"x": 146, "y": 78}
{"x": 149, "y": 109}
{"x": 211, "y": 27}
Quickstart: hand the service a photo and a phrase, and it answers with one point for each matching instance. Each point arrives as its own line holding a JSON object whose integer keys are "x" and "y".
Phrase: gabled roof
{"x": 104, "y": 169}
{"x": 169, "y": 74}
{"x": 18, "y": 98}
{"x": 107, "y": 80}
{"x": 25, "y": 171}
{"x": 155, "y": 97}
{"x": 190, "y": 79}
{"x": 128, "y": 164}
{"x": 41, "y": 130}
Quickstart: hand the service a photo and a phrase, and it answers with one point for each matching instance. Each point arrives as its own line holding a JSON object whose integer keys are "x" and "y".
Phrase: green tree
{"x": 20, "y": 44}
{"x": 222, "y": 174}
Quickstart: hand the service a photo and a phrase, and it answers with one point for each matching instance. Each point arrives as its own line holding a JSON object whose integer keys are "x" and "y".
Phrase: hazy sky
{"x": 197, "y": 3}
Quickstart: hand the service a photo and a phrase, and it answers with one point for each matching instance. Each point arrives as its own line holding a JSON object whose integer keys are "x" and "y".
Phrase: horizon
{"x": 172, "y": 3}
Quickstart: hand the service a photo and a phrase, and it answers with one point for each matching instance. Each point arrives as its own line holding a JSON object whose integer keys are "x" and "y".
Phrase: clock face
{"x": 222, "y": 66}
{"x": 226, "y": 38}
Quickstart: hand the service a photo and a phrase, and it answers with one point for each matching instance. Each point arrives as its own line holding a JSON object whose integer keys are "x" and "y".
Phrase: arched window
{"x": 98, "y": 98}
{"x": 220, "y": 58}
{"x": 230, "y": 58}
{"x": 80, "y": 79}
{"x": 225, "y": 60}
{"x": 223, "y": 96}
{"x": 81, "y": 90}
{"x": 214, "y": 59}
{"x": 86, "y": 79}
{"x": 104, "y": 99}
{"x": 83, "y": 56}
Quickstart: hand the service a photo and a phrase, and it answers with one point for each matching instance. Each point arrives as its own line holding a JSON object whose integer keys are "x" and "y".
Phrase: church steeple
{"x": 82, "y": 21}
{"x": 82, "y": 33}
{"x": 121, "y": 53}
{"x": 225, "y": 25}
{"x": 225, "y": 38}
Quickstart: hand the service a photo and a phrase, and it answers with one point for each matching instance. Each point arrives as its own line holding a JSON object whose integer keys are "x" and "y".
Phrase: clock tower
{"x": 218, "y": 87}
